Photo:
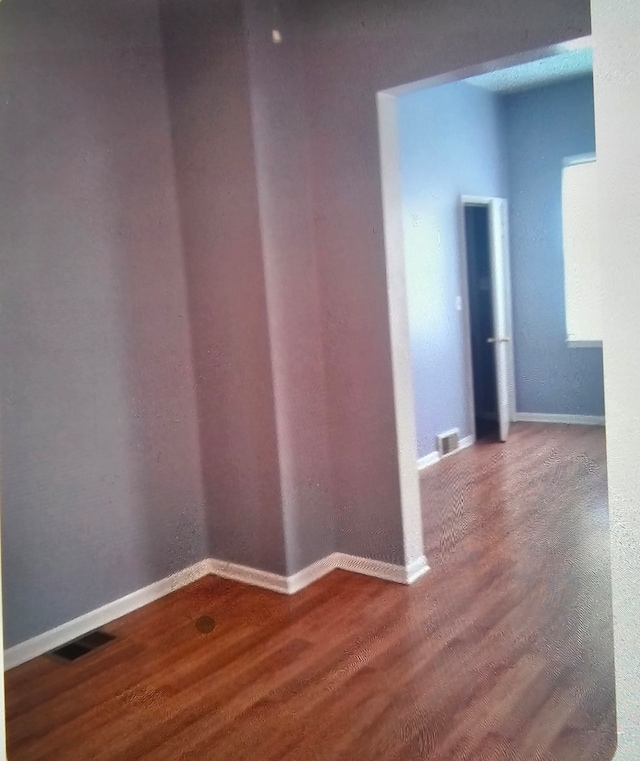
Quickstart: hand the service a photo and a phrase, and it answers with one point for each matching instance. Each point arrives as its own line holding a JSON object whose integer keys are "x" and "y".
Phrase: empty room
{"x": 482, "y": 163}
{"x": 216, "y": 542}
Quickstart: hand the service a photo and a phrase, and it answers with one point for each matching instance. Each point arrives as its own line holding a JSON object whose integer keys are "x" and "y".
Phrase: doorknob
{"x": 502, "y": 339}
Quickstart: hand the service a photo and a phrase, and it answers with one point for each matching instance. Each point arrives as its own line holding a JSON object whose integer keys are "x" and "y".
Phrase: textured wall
{"x": 451, "y": 144}
{"x": 100, "y": 465}
{"x": 543, "y": 126}
{"x": 210, "y": 103}
{"x": 281, "y": 144}
{"x": 616, "y": 28}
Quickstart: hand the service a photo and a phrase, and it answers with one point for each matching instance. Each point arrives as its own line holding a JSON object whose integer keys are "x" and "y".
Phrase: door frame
{"x": 505, "y": 253}
{"x": 403, "y": 396}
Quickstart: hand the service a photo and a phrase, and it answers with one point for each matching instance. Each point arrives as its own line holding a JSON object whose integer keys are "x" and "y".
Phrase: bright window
{"x": 582, "y": 274}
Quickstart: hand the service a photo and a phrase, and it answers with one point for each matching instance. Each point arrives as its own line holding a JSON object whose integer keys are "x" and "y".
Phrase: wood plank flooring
{"x": 502, "y": 652}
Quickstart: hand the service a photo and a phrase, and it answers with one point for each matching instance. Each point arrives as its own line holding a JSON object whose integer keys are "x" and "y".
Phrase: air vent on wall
{"x": 448, "y": 442}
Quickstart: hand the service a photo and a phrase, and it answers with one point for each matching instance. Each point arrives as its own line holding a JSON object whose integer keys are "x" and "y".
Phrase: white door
{"x": 499, "y": 242}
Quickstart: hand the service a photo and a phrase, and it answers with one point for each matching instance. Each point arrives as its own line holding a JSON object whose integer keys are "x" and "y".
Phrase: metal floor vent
{"x": 83, "y": 645}
{"x": 448, "y": 442}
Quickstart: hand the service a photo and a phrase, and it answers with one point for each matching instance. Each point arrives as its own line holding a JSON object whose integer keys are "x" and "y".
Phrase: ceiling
{"x": 564, "y": 65}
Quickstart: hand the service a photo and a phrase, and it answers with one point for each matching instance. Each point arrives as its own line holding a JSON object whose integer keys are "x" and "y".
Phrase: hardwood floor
{"x": 503, "y": 651}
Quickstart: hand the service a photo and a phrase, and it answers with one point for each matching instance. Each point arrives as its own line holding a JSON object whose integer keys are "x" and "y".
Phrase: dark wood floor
{"x": 503, "y": 651}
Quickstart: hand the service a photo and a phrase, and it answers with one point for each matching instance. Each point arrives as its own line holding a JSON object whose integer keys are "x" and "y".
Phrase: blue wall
{"x": 461, "y": 140}
{"x": 542, "y": 127}
{"x": 450, "y": 145}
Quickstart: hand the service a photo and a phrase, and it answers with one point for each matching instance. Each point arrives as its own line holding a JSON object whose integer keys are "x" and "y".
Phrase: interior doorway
{"x": 478, "y": 137}
{"x": 488, "y": 315}
{"x": 438, "y": 143}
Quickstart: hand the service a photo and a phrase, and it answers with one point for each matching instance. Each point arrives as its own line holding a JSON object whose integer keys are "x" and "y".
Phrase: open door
{"x": 499, "y": 253}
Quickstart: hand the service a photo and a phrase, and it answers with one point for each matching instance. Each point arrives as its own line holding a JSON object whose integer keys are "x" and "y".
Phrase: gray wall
{"x": 459, "y": 139}
{"x": 543, "y": 126}
{"x": 101, "y": 482}
{"x": 451, "y": 144}
{"x": 281, "y": 141}
{"x": 241, "y": 141}
{"x": 215, "y": 163}
{"x": 101, "y": 487}
{"x": 352, "y": 50}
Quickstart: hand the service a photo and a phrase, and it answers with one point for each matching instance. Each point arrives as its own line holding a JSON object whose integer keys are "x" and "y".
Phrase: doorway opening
{"x": 479, "y": 294}
{"x": 497, "y": 143}
{"x": 489, "y": 315}
{"x": 473, "y": 220}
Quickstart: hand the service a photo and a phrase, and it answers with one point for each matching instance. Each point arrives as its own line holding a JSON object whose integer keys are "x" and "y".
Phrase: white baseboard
{"x": 465, "y": 443}
{"x": 415, "y": 570}
{"x": 434, "y": 457}
{"x": 275, "y": 582}
{"x": 428, "y": 460}
{"x": 541, "y": 417}
{"x": 254, "y": 576}
{"x": 337, "y": 560}
{"x": 50, "y": 640}
{"x": 311, "y": 573}
{"x": 388, "y": 571}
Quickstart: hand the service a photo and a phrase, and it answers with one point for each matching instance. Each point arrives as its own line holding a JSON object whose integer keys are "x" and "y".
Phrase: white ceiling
{"x": 565, "y": 65}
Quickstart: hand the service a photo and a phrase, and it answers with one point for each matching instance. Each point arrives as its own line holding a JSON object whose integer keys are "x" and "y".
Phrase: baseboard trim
{"x": 44, "y": 643}
{"x": 416, "y": 569}
{"x": 433, "y": 457}
{"x": 77, "y": 627}
{"x": 428, "y": 460}
{"x": 247, "y": 575}
{"x": 400, "y": 574}
{"x": 541, "y": 417}
{"x": 336, "y": 561}
{"x": 311, "y": 573}
{"x": 465, "y": 443}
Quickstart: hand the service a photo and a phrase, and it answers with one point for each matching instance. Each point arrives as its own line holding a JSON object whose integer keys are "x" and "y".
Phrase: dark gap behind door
{"x": 481, "y": 321}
